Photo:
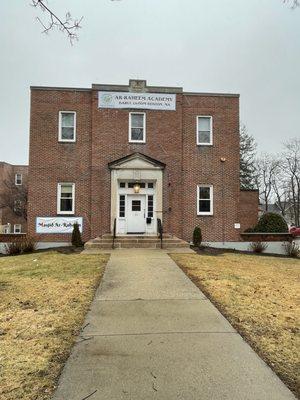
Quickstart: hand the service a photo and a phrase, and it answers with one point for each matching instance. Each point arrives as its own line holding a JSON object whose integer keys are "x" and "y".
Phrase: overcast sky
{"x": 251, "y": 47}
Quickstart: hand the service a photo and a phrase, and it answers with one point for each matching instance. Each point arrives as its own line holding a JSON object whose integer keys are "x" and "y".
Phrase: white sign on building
{"x": 57, "y": 224}
{"x": 151, "y": 101}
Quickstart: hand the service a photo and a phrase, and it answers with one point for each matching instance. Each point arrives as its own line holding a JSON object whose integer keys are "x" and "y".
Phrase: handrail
{"x": 114, "y": 233}
{"x": 160, "y": 231}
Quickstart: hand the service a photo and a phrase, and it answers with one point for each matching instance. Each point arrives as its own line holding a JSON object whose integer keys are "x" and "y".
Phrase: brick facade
{"x": 249, "y": 207}
{"x": 9, "y": 192}
{"x": 102, "y": 137}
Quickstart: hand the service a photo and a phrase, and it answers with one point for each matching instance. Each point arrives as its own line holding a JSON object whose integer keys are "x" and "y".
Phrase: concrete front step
{"x": 127, "y": 242}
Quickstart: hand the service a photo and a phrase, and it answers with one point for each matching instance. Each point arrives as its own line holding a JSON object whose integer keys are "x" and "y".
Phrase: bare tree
{"x": 267, "y": 167}
{"x": 14, "y": 197}
{"x": 247, "y": 159}
{"x": 291, "y": 165}
{"x": 293, "y": 3}
{"x": 66, "y": 24}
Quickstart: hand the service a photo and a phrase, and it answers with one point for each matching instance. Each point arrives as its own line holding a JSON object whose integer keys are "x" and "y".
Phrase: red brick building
{"x": 13, "y": 198}
{"x": 130, "y": 154}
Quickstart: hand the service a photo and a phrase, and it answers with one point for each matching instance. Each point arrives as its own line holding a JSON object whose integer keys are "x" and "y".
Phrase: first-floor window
{"x": 17, "y": 228}
{"x": 18, "y": 179}
{"x": 204, "y": 200}
{"x": 137, "y": 127}
{"x": 66, "y": 198}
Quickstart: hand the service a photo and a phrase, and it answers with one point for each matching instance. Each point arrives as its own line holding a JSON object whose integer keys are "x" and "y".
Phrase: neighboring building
{"x": 132, "y": 154}
{"x": 13, "y": 198}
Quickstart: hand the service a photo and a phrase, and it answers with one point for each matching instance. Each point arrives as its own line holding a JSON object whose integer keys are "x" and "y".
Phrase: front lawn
{"x": 43, "y": 300}
{"x": 260, "y": 297}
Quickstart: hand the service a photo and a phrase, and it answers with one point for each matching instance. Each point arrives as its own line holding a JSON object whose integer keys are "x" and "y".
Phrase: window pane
{"x": 66, "y": 205}
{"x": 136, "y": 205}
{"x": 66, "y": 189}
{"x": 150, "y": 185}
{"x": 203, "y": 124}
{"x": 67, "y": 119}
{"x": 137, "y": 120}
{"x": 122, "y": 184}
{"x": 204, "y": 137}
{"x": 67, "y": 133}
{"x": 137, "y": 134}
{"x": 204, "y": 193}
{"x": 204, "y": 205}
{"x": 122, "y": 206}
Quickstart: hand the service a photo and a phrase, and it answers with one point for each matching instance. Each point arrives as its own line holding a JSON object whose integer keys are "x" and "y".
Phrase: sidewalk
{"x": 151, "y": 334}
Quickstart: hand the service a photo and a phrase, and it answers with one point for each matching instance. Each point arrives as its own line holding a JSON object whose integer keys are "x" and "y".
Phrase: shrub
{"x": 291, "y": 249}
{"x": 258, "y": 247}
{"x": 197, "y": 236}
{"x": 14, "y": 248}
{"x": 28, "y": 244}
{"x": 271, "y": 223}
{"x": 76, "y": 236}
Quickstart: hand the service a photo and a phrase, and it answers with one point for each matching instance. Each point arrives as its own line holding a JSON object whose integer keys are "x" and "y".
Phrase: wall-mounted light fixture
{"x": 136, "y": 187}
{"x": 222, "y": 159}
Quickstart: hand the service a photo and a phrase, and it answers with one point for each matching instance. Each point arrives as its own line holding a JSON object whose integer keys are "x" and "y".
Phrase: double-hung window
{"x": 18, "y": 179}
{"x": 204, "y": 200}
{"x": 66, "y": 198}
{"x": 67, "y": 126}
{"x": 137, "y": 127}
{"x": 204, "y": 130}
{"x": 17, "y": 228}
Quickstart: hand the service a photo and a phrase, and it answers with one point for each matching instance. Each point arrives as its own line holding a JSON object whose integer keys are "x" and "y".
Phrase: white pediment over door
{"x": 136, "y": 161}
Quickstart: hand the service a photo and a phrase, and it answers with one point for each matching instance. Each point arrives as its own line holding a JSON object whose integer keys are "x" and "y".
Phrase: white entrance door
{"x": 136, "y": 213}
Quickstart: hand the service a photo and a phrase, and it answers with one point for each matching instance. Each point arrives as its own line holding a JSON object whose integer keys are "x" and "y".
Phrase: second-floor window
{"x": 67, "y": 126}
{"x": 18, "y": 179}
{"x": 137, "y": 127}
{"x": 66, "y": 198}
{"x": 204, "y": 130}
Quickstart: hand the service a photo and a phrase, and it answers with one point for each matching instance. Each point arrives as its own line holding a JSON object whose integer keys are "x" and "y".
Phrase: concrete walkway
{"x": 151, "y": 334}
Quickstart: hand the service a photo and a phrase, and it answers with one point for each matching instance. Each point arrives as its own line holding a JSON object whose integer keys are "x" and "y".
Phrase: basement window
{"x": 204, "y": 200}
{"x": 67, "y": 126}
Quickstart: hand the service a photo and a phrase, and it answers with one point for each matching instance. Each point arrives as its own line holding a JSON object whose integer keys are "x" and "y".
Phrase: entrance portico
{"x": 136, "y": 194}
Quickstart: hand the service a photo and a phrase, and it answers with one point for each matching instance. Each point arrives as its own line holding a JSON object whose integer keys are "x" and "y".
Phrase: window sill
{"x": 205, "y": 214}
{"x": 137, "y": 141}
{"x": 66, "y": 141}
{"x": 205, "y": 144}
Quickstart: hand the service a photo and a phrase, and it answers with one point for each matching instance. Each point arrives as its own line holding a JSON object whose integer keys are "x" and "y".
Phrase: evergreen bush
{"x": 271, "y": 223}
{"x": 197, "y": 236}
{"x": 76, "y": 236}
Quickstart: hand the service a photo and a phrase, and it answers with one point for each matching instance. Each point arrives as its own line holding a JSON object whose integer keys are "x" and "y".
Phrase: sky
{"x": 251, "y": 47}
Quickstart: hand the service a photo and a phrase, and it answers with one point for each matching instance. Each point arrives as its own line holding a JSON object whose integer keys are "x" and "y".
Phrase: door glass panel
{"x": 136, "y": 205}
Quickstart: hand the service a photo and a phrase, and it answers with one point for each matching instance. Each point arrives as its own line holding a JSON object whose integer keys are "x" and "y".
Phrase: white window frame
{"x": 16, "y": 179}
{"x": 144, "y": 128}
{"x": 211, "y": 130}
{"x": 211, "y": 195}
{"x": 59, "y": 185}
{"x": 17, "y": 226}
{"x": 60, "y": 139}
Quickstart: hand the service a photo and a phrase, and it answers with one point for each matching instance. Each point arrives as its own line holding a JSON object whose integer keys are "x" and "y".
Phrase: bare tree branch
{"x": 294, "y": 3}
{"x": 68, "y": 25}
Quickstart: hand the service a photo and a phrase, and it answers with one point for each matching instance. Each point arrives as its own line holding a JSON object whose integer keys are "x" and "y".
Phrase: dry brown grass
{"x": 43, "y": 300}
{"x": 260, "y": 297}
